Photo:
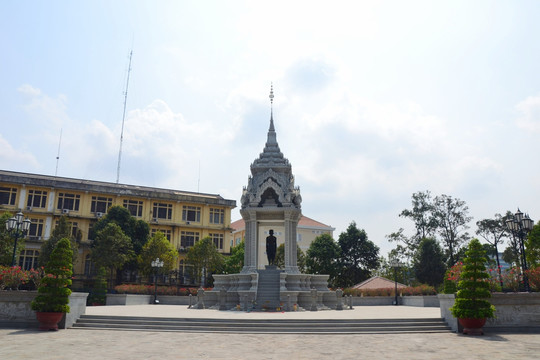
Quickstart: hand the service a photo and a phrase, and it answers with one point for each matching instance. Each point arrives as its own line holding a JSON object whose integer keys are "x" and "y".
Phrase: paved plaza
{"x": 112, "y": 344}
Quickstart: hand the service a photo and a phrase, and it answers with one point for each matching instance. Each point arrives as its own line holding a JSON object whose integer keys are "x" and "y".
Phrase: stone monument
{"x": 271, "y": 199}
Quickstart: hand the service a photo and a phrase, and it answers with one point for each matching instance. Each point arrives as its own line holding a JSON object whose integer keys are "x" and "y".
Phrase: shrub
{"x": 473, "y": 287}
{"x": 54, "y": 292}
{"x": 149, "y": 290}
{"x": 99, "y": 292}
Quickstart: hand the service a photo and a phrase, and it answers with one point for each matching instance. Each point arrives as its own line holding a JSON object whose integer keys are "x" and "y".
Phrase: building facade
{"x": 184, "y": 217}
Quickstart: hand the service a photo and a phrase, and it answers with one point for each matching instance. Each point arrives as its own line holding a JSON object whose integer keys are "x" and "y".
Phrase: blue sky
{"x": 373, "y": 100}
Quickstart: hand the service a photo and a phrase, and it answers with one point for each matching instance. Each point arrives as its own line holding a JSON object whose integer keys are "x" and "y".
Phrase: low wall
{"x": 128, "y": 299}
{"x": 77, "y": 307}
{"x": 16, "y": 310}
{"x": 373, "y": 300}
{"x": 513, "y": 312}
{"x": 420, "y": 301}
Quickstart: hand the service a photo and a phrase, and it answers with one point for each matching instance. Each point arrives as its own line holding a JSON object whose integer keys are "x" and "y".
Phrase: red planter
{"x": 48, "y": 320}
{"x": 473, "y": 326}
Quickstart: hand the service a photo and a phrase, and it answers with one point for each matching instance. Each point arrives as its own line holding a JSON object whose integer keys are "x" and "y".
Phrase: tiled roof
{"x": 378, "y": 282}
{"x": 111, "y": 188}
{"x": 304, "y": 222}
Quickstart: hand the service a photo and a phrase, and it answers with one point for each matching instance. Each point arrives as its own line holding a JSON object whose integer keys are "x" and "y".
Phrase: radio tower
{"x": 123, "y": 119}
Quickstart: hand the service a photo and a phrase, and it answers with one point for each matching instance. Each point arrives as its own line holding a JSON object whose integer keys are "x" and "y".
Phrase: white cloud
{"x": 46, "y": 110}
{"x": 530, "y": 114}
{"x": 11, "y": 158}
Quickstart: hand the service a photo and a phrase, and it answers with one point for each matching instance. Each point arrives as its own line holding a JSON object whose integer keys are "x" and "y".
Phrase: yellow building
{"x": 184, "y": 217}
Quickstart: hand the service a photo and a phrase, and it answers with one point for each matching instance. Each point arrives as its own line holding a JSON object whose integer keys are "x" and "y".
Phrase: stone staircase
{"x": 268, "y": 289}
{"x": 263, "y": 326}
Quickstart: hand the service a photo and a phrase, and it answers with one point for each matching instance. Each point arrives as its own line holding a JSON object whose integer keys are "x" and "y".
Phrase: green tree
{"x": 423, "y": 216}
{"x": 60, "y": 231}
{"x": 532, "y": 245}
{"x": 322, "y": 257}
{"x": 511, "y": 254}
{"x": 137, "y": 230}
{"x": 428, "y": 263}
{"x": 157, "y": 247}
{"x": 234, "y": 263}
{"x": 54, "y": 293}
{"x": 7, "y": 242}
{"x": 493, "y": 231}
{"x": 385, "y": 270}
{"x": 358, "y": 256}
{"x": 471, "y": 298}
{"x": 204, "y": 260}
{"x": 300, "y": 258}
{"x": 406, "y": 246}
{"x": 98, "y": 294}
{"x": 452, "y": 217}
{"x": 111, "y": 249}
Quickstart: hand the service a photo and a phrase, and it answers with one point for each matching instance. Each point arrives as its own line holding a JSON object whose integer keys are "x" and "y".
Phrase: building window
{"x": 74, "y": 228}
{"x": 7, "y": 196}
{"x": 188, "y": 238}
{"x": 238, "y": 241}
{"x": 37, "y": 198}
{"x": 191, "y": 213}
{"x": 36, "y": 229}
{"x": 134, "y": 207}
{"x": 217, "y": 216}
{"x": 299, "y": 237}
{"x": 68, "y": 201}
{"x": 218, "y": 240}
{"x": 162, "y": 211}
{"x": 28, "y": 259}
{"x": 100, "y": 204}
{"x": 167, "y": 233}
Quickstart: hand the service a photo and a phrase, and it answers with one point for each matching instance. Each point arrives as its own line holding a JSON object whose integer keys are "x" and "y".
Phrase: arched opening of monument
{"x": 270, "y": 199}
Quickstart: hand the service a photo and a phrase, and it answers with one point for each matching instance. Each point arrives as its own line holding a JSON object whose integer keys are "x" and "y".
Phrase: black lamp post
{"x": 395, "y": 264}
{"x": 18, "y": 226}
{"x": 156, "y": 264}
{"x": 520, "y": 225}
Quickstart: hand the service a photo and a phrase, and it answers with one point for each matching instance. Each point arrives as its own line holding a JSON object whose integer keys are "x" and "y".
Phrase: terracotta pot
{"x": 48, "y": 320}
{"x": 473, "y": 326}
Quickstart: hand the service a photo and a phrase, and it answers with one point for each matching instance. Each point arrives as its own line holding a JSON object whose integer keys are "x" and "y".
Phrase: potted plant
{"x": 53, "y": 295}
{"x": 471, "y": 307}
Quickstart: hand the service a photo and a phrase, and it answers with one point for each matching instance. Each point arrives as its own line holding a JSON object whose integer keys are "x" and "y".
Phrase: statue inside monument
{"x": 271, "y": 248}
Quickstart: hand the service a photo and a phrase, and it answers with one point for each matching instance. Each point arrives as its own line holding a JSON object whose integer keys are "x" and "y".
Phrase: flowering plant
{"x": 149, "y": 290}
{"x": 12, "y": 277}
{"x": 534, "y": 278}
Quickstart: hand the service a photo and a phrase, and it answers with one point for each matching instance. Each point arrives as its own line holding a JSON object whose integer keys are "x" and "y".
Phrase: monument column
{"x": 291, "y": 218}
{"x": 250, "y": 241}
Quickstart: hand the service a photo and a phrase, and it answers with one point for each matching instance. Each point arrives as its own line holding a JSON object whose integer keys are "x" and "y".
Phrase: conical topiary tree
{"x": 54, "y": 292}
{"x": 473, "y": 288}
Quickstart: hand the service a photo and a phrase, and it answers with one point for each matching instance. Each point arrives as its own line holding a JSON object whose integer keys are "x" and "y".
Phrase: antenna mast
{"x": 123, "y": 119}
{"x": 58, "y": 154}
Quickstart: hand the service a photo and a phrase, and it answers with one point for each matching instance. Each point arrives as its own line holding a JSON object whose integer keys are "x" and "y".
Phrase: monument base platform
{"x": 254, "y": 291}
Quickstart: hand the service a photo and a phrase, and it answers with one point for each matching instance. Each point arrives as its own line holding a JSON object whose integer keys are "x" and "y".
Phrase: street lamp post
{"x": 18, "y": 226}
{"x": 156, "y": 264}
{"x": 395, "y": 264}
{"x": 520, "y": 225}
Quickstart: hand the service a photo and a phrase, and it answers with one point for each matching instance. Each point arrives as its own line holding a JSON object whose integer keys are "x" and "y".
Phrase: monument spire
{"x": 271, "y": 107}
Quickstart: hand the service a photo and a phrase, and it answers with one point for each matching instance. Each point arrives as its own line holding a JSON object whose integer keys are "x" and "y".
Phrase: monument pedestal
{"x": 271, "y": 288}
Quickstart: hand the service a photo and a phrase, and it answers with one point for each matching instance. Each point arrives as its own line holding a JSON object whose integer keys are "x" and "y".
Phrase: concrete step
{"x": 382, "y": 326}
